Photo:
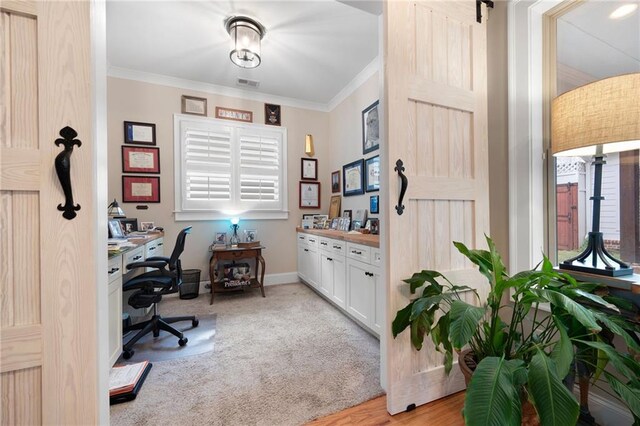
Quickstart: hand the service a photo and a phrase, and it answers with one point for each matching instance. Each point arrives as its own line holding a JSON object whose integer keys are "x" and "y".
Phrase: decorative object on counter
{"x": 140, "y": 160}
{"x": 115, "y": 229}
{"x": 370, "y": 128}
{"x": 246, "y": 34}
{"x": 307, "y": 223}
{"x": 139, "y": 133}
{"x": 235, "y": 239}
{"x": 319, "y": 221}
{"x": 221, "y": 238}
{"x": 597, "y": 119}
{"x": 194, "y": 105}
{"x": 372, "y": 174}
{"x": 347, "y": 213}
{"x": 129, "y": 225}
{"x": 360, "y": 216}
{"x": 234, "y": 114}
{"x": 353, "y": 178}
{"x": 374, "y": 204}
{"x": 115, "y": 211}
{"x": 309, "y": 195}
{"x": 356, "y": 225}
{"x": 139, "y": 189}
{"x": 272, "y": 114}
{"x": 308, "y": 169}
{"x": 250, "y": 235}
{"x": 335, "y": 182}
{"x": 345, "y": 223}
{"x": 374, "y": 226}
{"x": 334, "y": 206}
{"x": 335, "y": 222}
{"x": 308, "y": 145}
{"x": 146, "y": 226}
{"x": 308, "y": 216}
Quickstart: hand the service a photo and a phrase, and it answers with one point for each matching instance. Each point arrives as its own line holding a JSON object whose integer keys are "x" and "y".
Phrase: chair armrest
{"x": 147, "y": 264}
{"x": 158, "y": 258}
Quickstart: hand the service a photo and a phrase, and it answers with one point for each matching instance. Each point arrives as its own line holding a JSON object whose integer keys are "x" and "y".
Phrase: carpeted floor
{"x": 282, "y": 360}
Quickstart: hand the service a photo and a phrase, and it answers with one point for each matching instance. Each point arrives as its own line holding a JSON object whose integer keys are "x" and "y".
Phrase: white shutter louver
{"x": 260, "y": 169}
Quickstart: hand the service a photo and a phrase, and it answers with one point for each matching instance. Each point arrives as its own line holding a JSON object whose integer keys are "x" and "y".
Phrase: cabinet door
{"x": 313, "y": 267}
{"x": 115, "y": 320}
{"x": 339, "y": 294}
{"x": 378, "y": 312}
{"x": 302, "y": 262}
{"x": 326, "y": 274}
{"x": 359, "y": 292}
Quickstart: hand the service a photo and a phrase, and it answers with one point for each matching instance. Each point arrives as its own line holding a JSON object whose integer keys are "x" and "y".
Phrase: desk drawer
{"x": 154, "y": 248}
{"x": 302, "y": 239}
{"x": 135, "y": 255}
{"x": 312, "y": 240}
{"x": 325, "y": 244}
{"x": 115, "y": 268}
{"x": 359, "y": 252}
{"x": 338, "y": 247}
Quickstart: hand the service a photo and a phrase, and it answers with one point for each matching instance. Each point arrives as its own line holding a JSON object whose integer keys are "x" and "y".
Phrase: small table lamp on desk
{"x": 594, "y": 120}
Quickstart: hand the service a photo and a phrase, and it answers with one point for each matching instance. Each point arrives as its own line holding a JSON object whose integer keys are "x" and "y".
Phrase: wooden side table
{"x": 235, "y": 254}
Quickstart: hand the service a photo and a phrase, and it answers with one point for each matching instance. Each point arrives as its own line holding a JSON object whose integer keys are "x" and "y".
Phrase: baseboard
{"x": 608, "y": 412}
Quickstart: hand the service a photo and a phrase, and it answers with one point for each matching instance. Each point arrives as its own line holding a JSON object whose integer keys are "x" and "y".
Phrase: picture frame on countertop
{"x": 139, "y": 133}
{"x": 146, "y": 226}
{"x": 334, "y": 206}
{"x": 353, "y": 178}
{"x": 221, "y": 238}
{"x": 250, "y": 235}
{"x": 137, "y": 159}
{"x": 129, "y": 224}
{"x": 372, "y": 174}
{"x": 370, "y": 128}
{"x": 308, "y": 169}
{"x": 308, "y": 216}
{"x": 374, "y": 226}
{"x": 115, "y": 229}
{"x": 140, "y": 189}
{"x": 335, "y": 222}
{"x": 194, "y": 105}
{"x": 309, "y": 195}
{"x": 347, "y": 213}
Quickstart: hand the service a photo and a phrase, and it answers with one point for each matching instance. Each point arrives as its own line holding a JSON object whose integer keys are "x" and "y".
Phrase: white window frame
{"x": 182, "y": 214}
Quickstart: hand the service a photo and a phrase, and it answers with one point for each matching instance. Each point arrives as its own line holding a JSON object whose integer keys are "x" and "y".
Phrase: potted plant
{"x": 524, "y": 360}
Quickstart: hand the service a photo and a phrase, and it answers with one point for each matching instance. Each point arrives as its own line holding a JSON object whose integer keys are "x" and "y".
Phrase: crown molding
{"x": 214, "y": 89}
{"x": 353, "y": 85}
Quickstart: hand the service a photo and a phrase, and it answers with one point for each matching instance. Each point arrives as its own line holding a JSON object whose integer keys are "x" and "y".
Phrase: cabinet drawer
{"x": 338, "y": 247}
{"x": 312, "y": 241}
{"x": 115, "y": 268}
{"x": 325, "y": 244}
{"x": 359, "y": 252}
{"x": 154, "y": 248}
{"x": 376, "y": 257}
{"x": 136, "y": 255}
{"x": 302, "y": 239}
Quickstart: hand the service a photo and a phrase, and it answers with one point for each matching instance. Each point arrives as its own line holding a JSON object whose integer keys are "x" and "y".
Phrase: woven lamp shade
{"x": 606, "y": 112}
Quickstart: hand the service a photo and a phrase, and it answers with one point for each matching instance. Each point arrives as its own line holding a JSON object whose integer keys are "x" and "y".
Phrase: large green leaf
{"x": 421, "y": 325}
{"x": 423, "y": 304}
{"x": 491, "y": 395}
{"x": 562, "y": 353}
{"x": 580, "y": 313}
{"x": 518, "y": 371}
{"x": 553, "y": 401}
{"x": 612, "y": 324}
{"x": 629, "y": 394}
{"x": 464, "y": 322}
{"x": 418, "y": 279}
{"x": 482, "y": 258}
{"x": 576, "y": 292}
{"x": 626, "y": 365}
{"x": 402, "y": 319}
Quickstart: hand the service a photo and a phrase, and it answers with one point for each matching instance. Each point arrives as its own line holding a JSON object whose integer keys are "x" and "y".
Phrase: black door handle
{"x": 404, "y": 182}
{"x": 63, "y": 170}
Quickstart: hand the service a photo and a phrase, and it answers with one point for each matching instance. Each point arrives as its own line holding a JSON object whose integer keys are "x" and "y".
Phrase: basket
{"x": 190, "y": 287}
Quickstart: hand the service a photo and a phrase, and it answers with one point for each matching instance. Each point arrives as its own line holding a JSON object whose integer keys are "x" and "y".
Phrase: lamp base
{"x": 601, "y": 261}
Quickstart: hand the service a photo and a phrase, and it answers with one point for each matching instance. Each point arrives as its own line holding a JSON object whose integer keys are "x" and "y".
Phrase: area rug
{"x": 165, "y": 346}
{"x": 280, "y": 360}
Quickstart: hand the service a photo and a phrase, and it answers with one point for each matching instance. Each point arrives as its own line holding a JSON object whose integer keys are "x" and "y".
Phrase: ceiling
{"x": 311, "y": 51}
{"x": 592, "y": 43}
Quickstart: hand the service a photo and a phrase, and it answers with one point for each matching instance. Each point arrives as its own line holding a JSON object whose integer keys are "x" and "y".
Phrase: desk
{"x": 233, "y": 254}
{"x": 150, "y": 245}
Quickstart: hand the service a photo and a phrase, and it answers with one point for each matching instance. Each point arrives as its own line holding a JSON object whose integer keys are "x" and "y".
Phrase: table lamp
{"x": 597, "y": 119}
{"x": 115, "y": 211}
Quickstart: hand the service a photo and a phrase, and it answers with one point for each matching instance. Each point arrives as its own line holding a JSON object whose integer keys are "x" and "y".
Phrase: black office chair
{"x": 150, "y": 287}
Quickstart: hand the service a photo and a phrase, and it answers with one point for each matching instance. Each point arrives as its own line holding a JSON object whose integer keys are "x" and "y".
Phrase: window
{"x": 226, "y": 169}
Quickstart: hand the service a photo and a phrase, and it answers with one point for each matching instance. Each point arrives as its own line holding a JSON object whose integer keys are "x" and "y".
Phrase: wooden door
{"x": 48, "y": 336}
{"x": 567, "y": 216}
{"x": 436, "y": 124}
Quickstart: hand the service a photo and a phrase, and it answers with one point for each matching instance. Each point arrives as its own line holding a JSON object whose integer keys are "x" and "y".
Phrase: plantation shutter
{"x": 207, "y": 167}
{"x": 260, "y": 174}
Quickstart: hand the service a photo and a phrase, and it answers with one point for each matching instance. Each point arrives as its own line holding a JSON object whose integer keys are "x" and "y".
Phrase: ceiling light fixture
{"x": 624, "y": 10}
{"x": 246, "y": 34}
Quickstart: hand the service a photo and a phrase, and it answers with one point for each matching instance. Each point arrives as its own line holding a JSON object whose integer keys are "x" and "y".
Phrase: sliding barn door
{"x": 436, "y": 115}
{"x": 48, "y": 336}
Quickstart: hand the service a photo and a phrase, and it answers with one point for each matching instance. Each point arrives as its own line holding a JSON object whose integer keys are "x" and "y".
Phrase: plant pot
{"x": 467, "y": 363}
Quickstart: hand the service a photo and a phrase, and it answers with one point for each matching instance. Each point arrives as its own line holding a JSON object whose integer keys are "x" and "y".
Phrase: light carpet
{"x": 281, "y": 360}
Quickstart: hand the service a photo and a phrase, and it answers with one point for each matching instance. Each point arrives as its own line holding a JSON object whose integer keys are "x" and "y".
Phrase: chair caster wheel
{"x": 183, "y": 341}
{"x": 127, "y": 354}
{"x": 195, "y": 322}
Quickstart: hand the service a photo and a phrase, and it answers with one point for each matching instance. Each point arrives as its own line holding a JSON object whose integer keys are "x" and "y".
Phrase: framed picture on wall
{"x": 309, "y": 195}
{"x": 370, "y": 128}
{"x": 372, "y": 174}
{"x": 139, "y": 133}
{"x": 140, "y": 160}
{"x": 272, "y": 114}
{"x": 194, "y": 105}
{"x": 140, "y": 189}
{"x": 309, "y": 169}
{"x": 374, "y": 204}
{"x": 352, "y": 178}
{"x": 335, "y": 182}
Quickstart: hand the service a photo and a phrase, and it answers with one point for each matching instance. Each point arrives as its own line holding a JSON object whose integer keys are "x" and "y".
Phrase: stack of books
{"x": 125, "y": 381}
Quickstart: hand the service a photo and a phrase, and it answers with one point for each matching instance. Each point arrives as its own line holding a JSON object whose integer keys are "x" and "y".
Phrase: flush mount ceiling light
{"x": 623, "y": 11}
{"x": 246, "y": 34}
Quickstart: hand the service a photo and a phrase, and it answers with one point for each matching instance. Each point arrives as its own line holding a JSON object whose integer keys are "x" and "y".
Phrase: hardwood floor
{"x": 445, "y": 411}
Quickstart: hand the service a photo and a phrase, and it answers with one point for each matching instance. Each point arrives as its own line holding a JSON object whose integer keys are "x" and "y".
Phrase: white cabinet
{"x": 346, "y": 274}
{"x": 115, "y": 308}
{"x": 153, "y": 248}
